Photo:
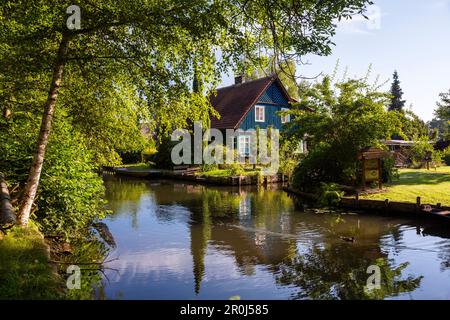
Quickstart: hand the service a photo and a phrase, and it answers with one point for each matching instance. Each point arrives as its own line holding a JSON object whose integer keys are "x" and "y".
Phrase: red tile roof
{"x": 235, "y": 101}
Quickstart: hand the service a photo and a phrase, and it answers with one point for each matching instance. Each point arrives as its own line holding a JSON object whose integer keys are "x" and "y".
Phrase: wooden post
{"x": 357, "y": 199}
{"x": 380, "y": 182}
{"x": 363, "y": 174}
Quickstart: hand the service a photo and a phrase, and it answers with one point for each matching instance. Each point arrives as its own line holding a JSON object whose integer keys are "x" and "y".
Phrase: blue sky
{"x": 411, "y": 36}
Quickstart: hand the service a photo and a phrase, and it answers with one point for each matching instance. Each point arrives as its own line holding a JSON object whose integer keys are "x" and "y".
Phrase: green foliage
{"x": 446, "y": 156}
{"x": 25, "y": 272}
{"x": 343, "y": 120}
{"x": 421, "y": 149}
{"x": 443, "y": 110}
{"x": 346, "y": 274}
{"x": 388, "y": 171}
{"x": 71, "y": 192}
{"x": 290, "y": 156}
{"x": 236, "y": 169}
{"x": 442, "y": 114}
{"x": 162, "y": 158}
{"x": 285, "y": 70}
{"x": 88, "y": 252}
{"x": 209, "y": 167}
{"x": 397, "y": 103}
{"x": 412, "y": 126}
{"x": 330, "y": 194}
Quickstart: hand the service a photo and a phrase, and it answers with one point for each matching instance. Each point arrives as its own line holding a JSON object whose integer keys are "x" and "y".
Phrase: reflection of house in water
{"x": 261, "y": 229}
{"x": 238, "y": 236}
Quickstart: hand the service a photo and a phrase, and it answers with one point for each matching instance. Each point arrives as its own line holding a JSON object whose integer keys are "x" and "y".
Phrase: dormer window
{"x": 259, "y": 113}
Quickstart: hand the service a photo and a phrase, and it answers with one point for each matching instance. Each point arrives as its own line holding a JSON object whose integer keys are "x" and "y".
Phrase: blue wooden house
{"x": 251, "y": 104}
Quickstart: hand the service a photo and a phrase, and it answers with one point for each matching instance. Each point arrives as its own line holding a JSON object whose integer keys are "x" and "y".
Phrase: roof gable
{"x": 234, "y": 102}
{"x": 274, "y": 95}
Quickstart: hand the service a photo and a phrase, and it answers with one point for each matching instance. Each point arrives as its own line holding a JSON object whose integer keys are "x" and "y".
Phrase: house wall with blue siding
{"x": 273, "y": 101}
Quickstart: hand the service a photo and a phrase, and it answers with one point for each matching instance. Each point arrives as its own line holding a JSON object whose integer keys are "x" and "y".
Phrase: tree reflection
{"x": 262, "y": 231}
{"x": 340, "y": 272}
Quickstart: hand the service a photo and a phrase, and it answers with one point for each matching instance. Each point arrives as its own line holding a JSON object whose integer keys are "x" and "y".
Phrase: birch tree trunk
{"x": 46, "y": 125}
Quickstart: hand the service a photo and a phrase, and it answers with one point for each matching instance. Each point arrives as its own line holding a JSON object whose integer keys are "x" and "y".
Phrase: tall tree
{"x": 397, "y": 103}
{"x": 347, "y": 116}
{"x": 153, "y": 44}
{"x": 442, "y": 114}
{"x": 285, "y": 70}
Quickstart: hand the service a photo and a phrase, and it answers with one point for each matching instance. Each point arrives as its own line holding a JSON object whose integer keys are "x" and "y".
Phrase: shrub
{"x": 236, "y": 169}
{"x": 345, "y": 118}
{"x": 446, "y": 156}
{"x": 320, "y": 165}
{"x": 209, "y": 167}
{"x": 162, "y": 158}
{"x": 70, "y": 195}
{"x": 389, "y": 172}
{"x": 420, "y": 150}
{"x": 330, "y": 194}
{"x": 131, "y": 157}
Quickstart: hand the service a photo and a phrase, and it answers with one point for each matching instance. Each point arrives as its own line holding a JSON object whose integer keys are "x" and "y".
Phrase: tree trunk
{"x": 7, "y": 215}
{"x": 46, "y": 125}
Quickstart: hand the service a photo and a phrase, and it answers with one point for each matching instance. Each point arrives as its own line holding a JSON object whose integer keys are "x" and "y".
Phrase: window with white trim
{"x": 285, "y": 118}
{"x": 244, "y": 146}
{"x": 259, "y": 113}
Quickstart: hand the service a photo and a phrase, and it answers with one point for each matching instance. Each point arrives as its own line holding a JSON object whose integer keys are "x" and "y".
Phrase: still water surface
{"x": 178, "y": 240}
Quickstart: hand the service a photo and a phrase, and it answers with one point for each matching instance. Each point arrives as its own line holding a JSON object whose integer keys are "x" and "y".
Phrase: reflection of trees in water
{"x": 340, "y": 272}
{"x": 214, "y": 214}
{"x": 261, "y": 227}
{"x": 87, "y": 253}
{"x": 124, "y": 196}
{"x": 439, "y": 230}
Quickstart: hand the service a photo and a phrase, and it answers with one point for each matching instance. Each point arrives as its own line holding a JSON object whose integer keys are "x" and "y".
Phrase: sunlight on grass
{"x": 24, "y": 269}
{"x": 226, "y": 173}
{"x": 433, "y": 186}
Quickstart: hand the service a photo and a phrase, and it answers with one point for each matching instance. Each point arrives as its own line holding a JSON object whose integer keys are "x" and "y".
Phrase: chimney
{"x": 239, "y": 79}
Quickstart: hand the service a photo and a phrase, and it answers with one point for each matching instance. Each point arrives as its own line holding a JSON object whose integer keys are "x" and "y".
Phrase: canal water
{"x": 177, "y": 240}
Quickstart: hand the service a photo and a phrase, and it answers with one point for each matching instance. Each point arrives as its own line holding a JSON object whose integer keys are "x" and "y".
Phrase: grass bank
{"x": 25, "y": 272}
{"x": 433, "y": 186}
{"x": 227, "y": 173}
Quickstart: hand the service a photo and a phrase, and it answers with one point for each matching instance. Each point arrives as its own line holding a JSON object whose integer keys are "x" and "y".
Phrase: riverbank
{"x": 25, "y": 270}
{"x": 432, "y": 186}
{"x": 216, "y": 177}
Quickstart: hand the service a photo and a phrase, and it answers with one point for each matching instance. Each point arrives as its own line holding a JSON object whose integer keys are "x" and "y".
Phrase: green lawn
{"x": 226, "y": 173}
{"x": 137, "y": 166}
{"x": 433, "y": 186}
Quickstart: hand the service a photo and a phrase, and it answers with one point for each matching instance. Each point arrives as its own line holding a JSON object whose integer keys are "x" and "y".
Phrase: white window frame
{"x": 263, "y": 113}
{"x": 286, "y": 118}
{"x": 244, "y": 145}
